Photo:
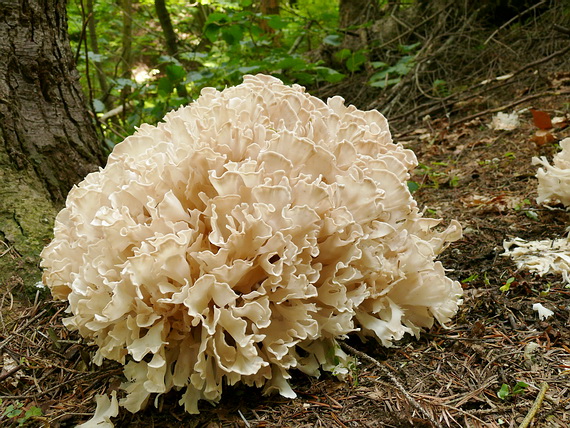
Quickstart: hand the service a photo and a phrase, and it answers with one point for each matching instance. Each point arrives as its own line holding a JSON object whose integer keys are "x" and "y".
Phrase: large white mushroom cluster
{"x": 240, "y": 238}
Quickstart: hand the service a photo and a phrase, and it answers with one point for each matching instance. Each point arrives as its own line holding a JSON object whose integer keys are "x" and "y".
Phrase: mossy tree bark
{"x": 47, "y": 139}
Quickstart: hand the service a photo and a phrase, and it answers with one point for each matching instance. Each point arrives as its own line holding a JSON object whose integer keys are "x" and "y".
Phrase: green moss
{"x": 26, "y": 225}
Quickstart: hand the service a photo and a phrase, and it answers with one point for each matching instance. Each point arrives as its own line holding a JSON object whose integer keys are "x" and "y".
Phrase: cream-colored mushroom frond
{"x": 554, "y": 180}
{"x": 241, "y": 237}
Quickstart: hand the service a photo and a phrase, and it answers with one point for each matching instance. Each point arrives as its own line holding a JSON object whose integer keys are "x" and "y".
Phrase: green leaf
{"x": 343, "y": 54}
{"x": 379, "y": 64}
{"x": 95, "y": 57}
{"x": 276, "y": 22}
{"x": 211, "y": 32}
{"x": 333, "y": 40}
{"x": 32, "y": 412}
{"x": 250, "y": 69}
{"x": 384, "y": 83}
{"x": 167, "y": 59}
{"x": 504, "y": 392}
{"x": 329, "y": 75}
{"x": 193, "y": 56}
{"x": 402, "y": 68}
{"x": 194, "y": 76}
{"x": 381, "y": 75}
{"x": 291, "y": 63}
{"x": 216, "y": 17}
{"x": 122, "y": 83}
{"x": 232, "y": 35}
{"x": 165, "y": 87}
{"x": 413, "y": 186}
{"x": 409, "y": 48}
{"x": 507, "y": 286}
{"x": 354, "y": 62}
{"x": 98, "y": 106}
{"x": 520, "y": 388}
{"x": 175, "y": 73}
{"x": 470, "y": 278}
{"x": 13, "y": 410}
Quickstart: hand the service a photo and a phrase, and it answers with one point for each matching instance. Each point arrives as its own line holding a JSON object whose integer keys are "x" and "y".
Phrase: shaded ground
{"x": 483, "y": 178}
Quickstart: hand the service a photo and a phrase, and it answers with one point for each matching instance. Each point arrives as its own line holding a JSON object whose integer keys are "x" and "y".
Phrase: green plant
{"x": 353, "y": 61}
{"x": 343, "y": 367}
{"x": 16, "y": 413}
{"x": 470, "y": 278}
{"x": 390, "y": 75}
{"x": 413, "y": 186}
{"x": 529, "y": 212}
{"x": 506, "y": 392}
{"x": 507, "y": 285}
{"x": 218, "y": 42}
{"x": 440, "y": 88}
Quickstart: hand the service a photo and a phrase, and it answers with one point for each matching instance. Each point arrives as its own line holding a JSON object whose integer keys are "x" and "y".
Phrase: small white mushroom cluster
{"x": 554, "y": 180}
{"x": 241, "y": 238}
{"x": 547, "y": 256}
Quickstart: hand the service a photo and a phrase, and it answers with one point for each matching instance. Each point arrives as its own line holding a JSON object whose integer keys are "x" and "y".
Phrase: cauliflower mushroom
{"x": 554, "y": 180}
{"x": 241, "y": 238}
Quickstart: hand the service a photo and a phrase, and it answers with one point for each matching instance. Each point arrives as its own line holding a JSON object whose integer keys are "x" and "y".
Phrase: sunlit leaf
{"x": 276, "y": 22}
{"x": 504, "y": 392}
{"x": 98, "y": 106}
{"x": 175, "y": 73}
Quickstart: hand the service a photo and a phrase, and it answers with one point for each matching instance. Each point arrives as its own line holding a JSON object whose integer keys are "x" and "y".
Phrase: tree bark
{"x": 268, "y": 7}
{"x": 167, "y": 29}
{"x": 94, "y": 44}
{"x": 169, "y": 36}
{"x": 127, "y": 55}
{"x": 47, "y": 138}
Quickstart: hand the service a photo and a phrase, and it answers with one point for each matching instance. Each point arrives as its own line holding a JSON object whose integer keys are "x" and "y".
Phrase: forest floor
{"x": 470, "y": 172}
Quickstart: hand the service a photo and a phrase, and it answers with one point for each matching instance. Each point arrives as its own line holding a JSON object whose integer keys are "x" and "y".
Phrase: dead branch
{"x": 510, "y": 105}
{"x": 535, "y": 406}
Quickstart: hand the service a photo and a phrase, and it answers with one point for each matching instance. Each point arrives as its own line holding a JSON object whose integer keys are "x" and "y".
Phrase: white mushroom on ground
{"x": 554, "y": 180}
{"x": 241, "y": 238}
{"x": 547, "y": 256}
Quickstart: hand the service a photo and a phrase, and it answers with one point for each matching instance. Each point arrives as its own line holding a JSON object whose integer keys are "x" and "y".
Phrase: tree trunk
{"x": 94, "y": 44}
{"x": 167, "y": 29}
{"x": 268, "y": 7}
{"x": 127, "y": 56}
{"x": 47, "y": 139}
{"x": 169, "y": 36}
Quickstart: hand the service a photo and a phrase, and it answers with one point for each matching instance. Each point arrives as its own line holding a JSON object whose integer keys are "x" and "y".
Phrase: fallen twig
{"x": 10, "y": 372}
{"x": 27, "y": 323}
{"x": 535, "y": 406}
{"x": 394, "y": 380}
{"x": 514, "y": 18}
{"x": 507, "y": 106}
